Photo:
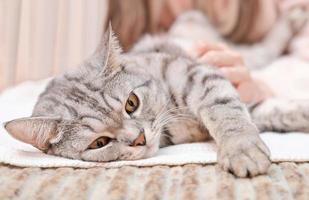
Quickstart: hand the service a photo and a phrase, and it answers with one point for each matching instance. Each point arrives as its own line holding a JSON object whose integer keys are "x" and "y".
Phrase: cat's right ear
{"x": 109, "y": 50}
{"x": 37, "y": 131}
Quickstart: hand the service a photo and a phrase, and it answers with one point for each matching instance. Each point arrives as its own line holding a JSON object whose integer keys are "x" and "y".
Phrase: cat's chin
{"x": 142, "y": 152}
{"x": 151, "y": 151}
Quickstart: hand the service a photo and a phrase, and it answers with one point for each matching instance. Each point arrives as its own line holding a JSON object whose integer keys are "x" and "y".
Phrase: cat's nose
{"x": 139, "y": 141}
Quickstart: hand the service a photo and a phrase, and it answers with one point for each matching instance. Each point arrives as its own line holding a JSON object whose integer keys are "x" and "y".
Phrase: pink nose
{"x": 139, "y": 141}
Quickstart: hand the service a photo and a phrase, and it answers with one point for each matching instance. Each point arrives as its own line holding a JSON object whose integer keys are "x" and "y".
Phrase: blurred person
{"x": 243, "y": 23}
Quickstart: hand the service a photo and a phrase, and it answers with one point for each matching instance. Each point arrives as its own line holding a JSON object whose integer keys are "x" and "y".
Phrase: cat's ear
{"x": 109, "y": 50}
{"x": 37, "y": 131}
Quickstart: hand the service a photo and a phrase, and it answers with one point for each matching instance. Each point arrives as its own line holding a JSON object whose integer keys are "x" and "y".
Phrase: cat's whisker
{"x": 166, "y": 119}
{"x": 170, "y": 120}
{"x": 169, "y": 111}
{"x": 174, "y": 118}
{"x": 188, "y": 116}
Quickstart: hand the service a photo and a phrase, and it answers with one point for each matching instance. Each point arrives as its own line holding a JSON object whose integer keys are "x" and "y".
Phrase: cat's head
{"x": 121, "y": 119}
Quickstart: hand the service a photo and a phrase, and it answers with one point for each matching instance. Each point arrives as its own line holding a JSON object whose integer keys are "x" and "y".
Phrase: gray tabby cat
{"x": 118, "y": 106}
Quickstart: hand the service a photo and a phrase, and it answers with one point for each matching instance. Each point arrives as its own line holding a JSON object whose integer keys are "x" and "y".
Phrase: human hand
{"x": 231, "y": 64}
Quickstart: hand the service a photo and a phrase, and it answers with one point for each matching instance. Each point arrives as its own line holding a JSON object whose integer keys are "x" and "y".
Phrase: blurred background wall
{"x": 41, "y": 38}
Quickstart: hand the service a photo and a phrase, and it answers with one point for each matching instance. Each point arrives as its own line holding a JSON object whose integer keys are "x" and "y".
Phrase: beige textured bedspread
{"x": 283, "y": 181}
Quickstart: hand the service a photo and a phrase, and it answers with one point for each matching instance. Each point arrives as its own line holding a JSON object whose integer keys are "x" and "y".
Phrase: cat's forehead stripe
{"x": 145, "y": 84}
{"x": 102, "y": 93}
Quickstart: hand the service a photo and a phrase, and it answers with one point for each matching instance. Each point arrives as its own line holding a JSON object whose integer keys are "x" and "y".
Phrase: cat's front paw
{"x": 244, "y": 156}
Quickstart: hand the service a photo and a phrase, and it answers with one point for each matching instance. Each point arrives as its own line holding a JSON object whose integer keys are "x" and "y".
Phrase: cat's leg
{"x": 281, "y": 115}
{"x": 216, "y": 104}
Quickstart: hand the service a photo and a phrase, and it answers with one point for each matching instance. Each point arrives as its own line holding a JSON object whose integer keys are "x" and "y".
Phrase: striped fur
{"x": 180, "y": 101}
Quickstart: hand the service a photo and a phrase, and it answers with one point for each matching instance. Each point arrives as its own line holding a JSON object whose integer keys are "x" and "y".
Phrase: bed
{"x": 284, "y": 181}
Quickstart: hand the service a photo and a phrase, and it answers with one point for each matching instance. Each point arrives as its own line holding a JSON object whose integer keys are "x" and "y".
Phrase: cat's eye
{"x": 132, "y": 103}
{"x": 99, "y": 143}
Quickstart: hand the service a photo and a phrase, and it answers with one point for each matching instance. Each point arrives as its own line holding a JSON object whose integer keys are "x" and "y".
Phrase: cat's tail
{"x": 281, "y": 115}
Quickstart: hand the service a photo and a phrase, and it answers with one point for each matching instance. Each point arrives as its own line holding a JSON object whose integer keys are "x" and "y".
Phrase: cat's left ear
{"x": 108, "y": 52}
{"x": 37, "y": 131}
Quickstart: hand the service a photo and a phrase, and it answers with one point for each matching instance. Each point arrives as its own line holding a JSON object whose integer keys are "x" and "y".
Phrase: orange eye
{"x": 99, "y": 143}
{"x": 132, "y": 103}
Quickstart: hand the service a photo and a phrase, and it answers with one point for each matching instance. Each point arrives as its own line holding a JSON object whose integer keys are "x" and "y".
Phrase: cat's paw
{"x": 244, "y": 156}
